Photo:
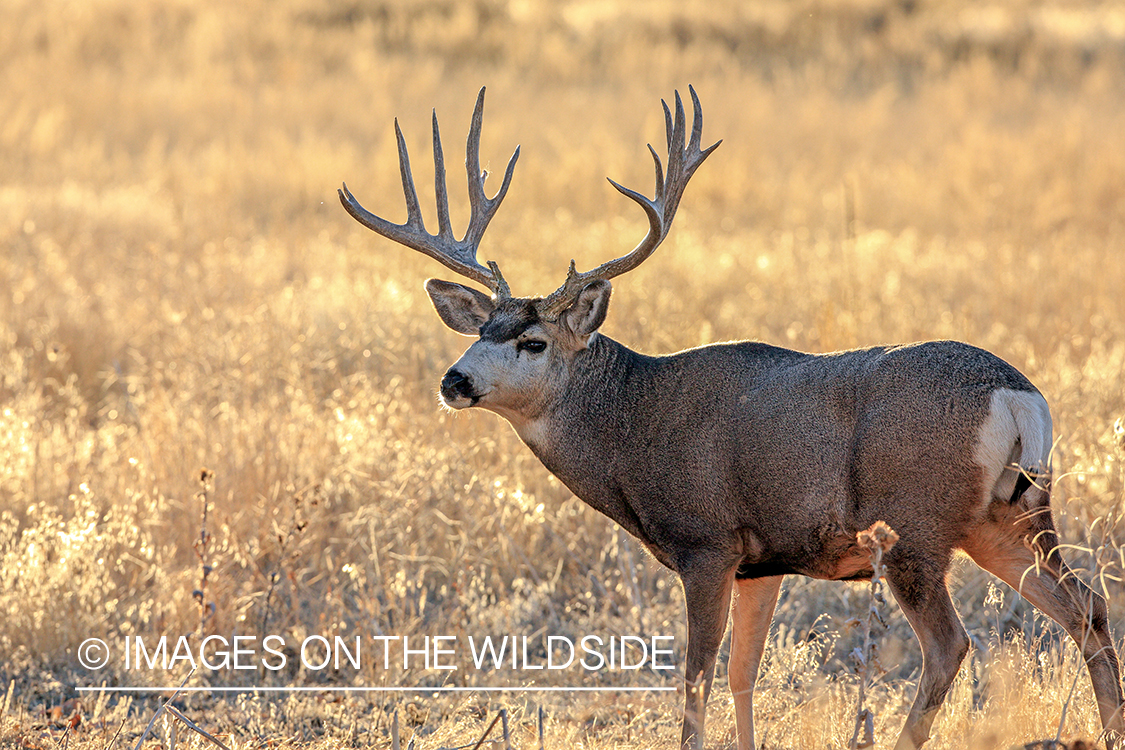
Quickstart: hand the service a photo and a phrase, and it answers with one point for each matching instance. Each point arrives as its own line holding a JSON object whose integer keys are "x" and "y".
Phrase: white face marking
{"x": 1017, "y": 430}
{"x": 532, "y": 432}
{"x": 511, "y": 378}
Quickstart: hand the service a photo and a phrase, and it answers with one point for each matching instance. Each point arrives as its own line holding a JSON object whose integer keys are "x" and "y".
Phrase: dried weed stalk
{"x": 202, "y": 548}
{"x": 878, "y": 540}
{"x": 284, "y": 537}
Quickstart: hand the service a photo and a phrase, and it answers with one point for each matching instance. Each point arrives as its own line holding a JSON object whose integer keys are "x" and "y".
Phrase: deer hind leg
{"x": 707, "y": 592}
{"x": 918, "y": 584}
{"x": 754, "y": 602}
{"x": 1018, "y": 545}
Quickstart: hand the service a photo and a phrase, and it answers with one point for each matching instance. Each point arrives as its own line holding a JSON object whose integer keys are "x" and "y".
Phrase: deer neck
{"x": 583, "y": 435}
{"x": 587, "y": 409}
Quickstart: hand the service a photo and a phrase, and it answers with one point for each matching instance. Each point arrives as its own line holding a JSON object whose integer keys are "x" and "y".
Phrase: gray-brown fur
{"x": 735, "y": 464}
{"x": 789, "y": 435}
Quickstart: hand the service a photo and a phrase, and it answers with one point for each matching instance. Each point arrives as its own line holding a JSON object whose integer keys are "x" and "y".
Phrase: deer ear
{"x": 587, "y": 313}
{"x": 461, "y": 308}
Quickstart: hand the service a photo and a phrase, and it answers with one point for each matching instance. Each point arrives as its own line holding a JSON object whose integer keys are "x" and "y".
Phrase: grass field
{"x": 189, "y": 320}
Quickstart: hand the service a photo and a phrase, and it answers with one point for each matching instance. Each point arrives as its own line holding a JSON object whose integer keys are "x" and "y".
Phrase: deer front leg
{"x": 707, "y": 590}
{"x": 754, "y": 602}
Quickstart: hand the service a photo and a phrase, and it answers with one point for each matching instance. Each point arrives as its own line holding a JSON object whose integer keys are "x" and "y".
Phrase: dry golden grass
{"x": 180, "y": 289}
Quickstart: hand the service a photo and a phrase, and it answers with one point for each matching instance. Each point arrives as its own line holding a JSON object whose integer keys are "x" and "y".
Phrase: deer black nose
{"x": 456, "y": 384}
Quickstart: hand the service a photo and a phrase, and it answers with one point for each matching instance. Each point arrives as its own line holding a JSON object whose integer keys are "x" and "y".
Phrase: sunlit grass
{"x": 180, "y": 289}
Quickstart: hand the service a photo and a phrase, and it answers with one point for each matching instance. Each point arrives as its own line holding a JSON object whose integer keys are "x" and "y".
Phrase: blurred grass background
{"x": 179, "y": 289}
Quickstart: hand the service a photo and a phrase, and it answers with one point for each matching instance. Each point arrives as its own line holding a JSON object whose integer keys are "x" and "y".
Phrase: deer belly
{"x": 827, "y": 554}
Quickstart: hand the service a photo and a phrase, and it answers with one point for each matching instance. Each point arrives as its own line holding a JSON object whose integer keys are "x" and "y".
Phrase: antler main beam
{"x": 682, "y": 163}
{"x": 460, "y": 256}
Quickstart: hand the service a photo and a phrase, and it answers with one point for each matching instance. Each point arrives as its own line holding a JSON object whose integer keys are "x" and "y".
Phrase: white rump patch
{"x": 1017, "y": 431}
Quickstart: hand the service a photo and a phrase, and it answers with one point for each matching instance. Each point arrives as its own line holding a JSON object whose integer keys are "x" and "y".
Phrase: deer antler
{"x": 682, "y": 163}
{"x": 458, "y": 255}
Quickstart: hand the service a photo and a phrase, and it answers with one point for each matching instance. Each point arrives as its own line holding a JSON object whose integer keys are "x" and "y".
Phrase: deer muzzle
{"x": 457, "y": 387}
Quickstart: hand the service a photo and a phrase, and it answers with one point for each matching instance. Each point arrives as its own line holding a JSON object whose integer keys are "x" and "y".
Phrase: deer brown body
{"x": 735, "y": 464}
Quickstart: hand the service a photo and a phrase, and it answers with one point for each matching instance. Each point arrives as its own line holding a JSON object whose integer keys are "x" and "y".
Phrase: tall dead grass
{"x": 180, "y": 290}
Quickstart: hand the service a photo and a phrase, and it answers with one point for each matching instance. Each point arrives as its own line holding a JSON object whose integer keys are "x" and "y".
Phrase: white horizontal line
{"x": 222, "y": 689}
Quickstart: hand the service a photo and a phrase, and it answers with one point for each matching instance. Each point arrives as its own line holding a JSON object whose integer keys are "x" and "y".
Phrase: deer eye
{"x": 534, "y": 346}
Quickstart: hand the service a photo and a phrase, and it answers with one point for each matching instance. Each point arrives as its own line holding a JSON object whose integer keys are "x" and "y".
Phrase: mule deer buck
{"x": 738, "y": 463}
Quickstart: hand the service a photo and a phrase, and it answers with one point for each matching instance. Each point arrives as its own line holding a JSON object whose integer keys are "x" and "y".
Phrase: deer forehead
{"x": 511, "y": 319}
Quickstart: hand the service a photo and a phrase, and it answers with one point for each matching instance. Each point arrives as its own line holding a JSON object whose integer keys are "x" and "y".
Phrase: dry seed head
{"x": 878, "y": 536}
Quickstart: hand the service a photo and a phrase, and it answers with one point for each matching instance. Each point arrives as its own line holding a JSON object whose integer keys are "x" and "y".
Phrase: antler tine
{"x": 445, "y": 230}
{"x": 483, "y": 208}
{"x": 660, "y": 210}
{"x": 697, "y": 120}
{"x": 459, "y": 256}
{"x": 413, "y": 210}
